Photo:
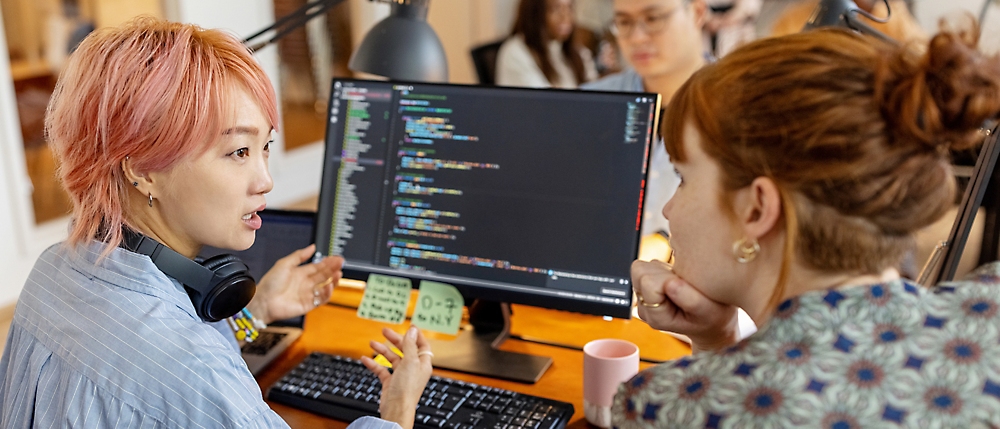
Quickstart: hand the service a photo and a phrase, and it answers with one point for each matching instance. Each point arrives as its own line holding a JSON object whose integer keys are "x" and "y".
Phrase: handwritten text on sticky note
{"x": 385, "y": 299}
{"x": 439, "y": 308}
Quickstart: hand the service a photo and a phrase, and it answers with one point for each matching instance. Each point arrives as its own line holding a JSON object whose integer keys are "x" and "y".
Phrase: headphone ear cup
{"x": 230, "y": 290}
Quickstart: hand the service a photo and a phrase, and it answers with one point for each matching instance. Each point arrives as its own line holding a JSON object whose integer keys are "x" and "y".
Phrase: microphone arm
{"x": 845, "y": 13}
{"x": 290, "y": 22}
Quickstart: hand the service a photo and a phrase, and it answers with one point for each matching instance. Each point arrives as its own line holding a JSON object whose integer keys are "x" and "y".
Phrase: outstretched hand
{"x": 289, "y": 289}
{"x": 669, "y": 303}
{"x": 401, "y": 388}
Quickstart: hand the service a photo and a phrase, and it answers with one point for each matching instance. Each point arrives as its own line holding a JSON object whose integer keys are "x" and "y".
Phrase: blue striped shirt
{"x": 115, "y": 343}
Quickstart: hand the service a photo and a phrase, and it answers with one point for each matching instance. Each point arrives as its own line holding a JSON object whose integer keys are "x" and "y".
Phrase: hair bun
{"x": 941, "y": 98}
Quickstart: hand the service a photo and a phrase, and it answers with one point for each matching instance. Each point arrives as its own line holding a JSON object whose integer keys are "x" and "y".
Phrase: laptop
{"x": 281, "y": 233}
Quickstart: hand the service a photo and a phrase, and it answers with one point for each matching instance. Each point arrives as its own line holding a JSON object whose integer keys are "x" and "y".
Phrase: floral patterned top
{"x": 887, "y": 355}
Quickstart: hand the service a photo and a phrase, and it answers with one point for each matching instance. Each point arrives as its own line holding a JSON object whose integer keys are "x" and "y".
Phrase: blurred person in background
{"x": 541, "y": 51}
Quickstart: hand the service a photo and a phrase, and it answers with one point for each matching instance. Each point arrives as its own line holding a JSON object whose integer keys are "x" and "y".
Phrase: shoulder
{"x": 685, "y": 392}
{"x": 131, "y": 331}
{"x": 890, "y": 352}
{"x": 148, "y": 380}
{"x": 513, "y": 46}
{"x": 626, "y": 80}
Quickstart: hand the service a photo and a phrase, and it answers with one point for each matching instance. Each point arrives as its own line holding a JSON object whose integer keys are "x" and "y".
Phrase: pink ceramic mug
{"x": 606, "y": 364}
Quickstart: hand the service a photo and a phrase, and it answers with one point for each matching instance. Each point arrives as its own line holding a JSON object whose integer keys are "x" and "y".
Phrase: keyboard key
{"x": 434, "y": 412}
{"x": 348, "y": 402}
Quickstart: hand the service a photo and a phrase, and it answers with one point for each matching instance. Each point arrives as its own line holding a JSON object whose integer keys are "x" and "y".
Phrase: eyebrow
{"x": 242, "y": 130}
{"x": 647, "y": 10}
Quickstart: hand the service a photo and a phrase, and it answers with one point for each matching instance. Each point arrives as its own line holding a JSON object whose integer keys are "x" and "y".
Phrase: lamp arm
{"x": 290, "y": 22}
{"x": 844, "y": 13}
{"x": 852, "y": 20}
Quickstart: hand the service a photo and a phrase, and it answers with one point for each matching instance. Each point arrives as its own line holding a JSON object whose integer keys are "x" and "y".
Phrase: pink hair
{"x": 150, "y": 90}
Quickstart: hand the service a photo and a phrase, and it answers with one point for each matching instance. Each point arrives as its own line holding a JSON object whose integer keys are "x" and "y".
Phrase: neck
{"x": 666, "y": 84}
{"x": 147, "y": 221}
{"x": 801, "y": 280}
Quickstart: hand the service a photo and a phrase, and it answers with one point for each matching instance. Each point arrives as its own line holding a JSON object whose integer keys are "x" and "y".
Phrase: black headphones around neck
{"x": 219, "y": 286}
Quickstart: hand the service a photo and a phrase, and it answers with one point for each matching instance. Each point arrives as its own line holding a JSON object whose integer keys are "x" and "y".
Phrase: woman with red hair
{"x": 807, "y": 163}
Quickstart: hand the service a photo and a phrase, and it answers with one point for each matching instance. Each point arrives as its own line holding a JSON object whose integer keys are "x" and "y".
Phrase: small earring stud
{"x": 135, "y": 183}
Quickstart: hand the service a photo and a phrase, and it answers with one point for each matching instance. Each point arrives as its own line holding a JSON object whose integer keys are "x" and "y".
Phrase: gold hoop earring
{"x": 151, "y": 199}
{"x": 745, "y": 250}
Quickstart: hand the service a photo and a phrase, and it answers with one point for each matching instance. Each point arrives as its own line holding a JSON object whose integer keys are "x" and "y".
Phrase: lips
{"x": 641, "y": 57}
{"x": 252, "y": 219}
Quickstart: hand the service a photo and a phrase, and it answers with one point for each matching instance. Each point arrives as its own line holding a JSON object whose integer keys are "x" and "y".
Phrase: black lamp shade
{"x": 402, "y": 47}
{"x": 831, "y": 13}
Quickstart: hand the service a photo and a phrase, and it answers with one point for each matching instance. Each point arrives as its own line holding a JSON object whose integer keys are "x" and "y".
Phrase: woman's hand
{"x": 668, "y": 303}
{"x": 289, "y": 289}
{"x": 401, "y": 389}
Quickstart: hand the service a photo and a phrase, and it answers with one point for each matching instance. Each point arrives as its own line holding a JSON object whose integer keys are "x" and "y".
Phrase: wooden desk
{"x": 337, "y": 330}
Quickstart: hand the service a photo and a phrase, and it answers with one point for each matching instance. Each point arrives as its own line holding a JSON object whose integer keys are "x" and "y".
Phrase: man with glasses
{"x": 661, "y": 41}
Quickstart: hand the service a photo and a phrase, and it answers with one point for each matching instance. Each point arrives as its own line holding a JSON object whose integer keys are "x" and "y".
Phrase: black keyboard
{"x": 342, "y": 388}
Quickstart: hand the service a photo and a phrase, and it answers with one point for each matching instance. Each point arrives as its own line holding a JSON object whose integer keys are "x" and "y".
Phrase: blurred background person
{"x": 661, "y": 44}
{"x": 729, "y": 24}
{"x": 541, "y": 51}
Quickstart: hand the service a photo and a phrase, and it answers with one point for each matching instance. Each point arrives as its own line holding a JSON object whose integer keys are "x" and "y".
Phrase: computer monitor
{"x": 512, "y": 195}
{"x": 943, "y": 263}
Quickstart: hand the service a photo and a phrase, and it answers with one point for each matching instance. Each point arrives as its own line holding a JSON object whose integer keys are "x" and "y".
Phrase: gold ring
{"x": 426, "y": 353}
{"x": 646, "y": 304}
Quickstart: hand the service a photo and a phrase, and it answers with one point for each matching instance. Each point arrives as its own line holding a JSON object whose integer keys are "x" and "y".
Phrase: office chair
{"x": 485, "y": 59}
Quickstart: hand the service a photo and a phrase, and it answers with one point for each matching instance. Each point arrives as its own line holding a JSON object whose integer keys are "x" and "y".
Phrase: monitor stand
{"x": 475, "y": 350}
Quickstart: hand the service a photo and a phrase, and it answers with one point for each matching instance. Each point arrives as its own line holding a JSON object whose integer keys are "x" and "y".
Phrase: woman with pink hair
{"x": 162, "y": 132}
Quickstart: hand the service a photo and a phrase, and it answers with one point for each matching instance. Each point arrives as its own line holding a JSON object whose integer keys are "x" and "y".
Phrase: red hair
{"x": 152, "y": 91}
{"x": 855, "y": 132}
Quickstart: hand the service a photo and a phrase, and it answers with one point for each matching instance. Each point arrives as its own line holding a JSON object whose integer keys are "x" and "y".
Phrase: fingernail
{"x": 411, "y": 333}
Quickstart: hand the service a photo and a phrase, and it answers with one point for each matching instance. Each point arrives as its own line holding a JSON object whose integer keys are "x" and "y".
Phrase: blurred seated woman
{"x": 162, "y": 132}
{"x": 807, "y": 162}
{"x": 541, "y": 51}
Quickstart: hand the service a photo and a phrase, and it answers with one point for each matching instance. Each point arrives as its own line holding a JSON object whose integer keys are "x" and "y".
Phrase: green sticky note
{"x": 439, "y": 308}
{"x": 385, "y": 299}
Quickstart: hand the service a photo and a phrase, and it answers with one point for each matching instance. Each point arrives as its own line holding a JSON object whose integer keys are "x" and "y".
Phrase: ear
{"x": 759, "y": 207}
{"x": 139, "y": 180}
{"x": 699, "y": 11}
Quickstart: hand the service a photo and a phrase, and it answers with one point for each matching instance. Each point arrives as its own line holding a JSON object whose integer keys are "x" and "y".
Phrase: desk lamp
{"x": 844, "y": 13}
{"x": 402, "y": 46}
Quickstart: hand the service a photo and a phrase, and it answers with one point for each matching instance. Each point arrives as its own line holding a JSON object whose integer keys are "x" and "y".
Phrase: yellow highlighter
{"x": 381, "y": 360}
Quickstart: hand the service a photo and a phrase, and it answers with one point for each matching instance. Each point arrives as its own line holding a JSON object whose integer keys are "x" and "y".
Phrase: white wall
{"x": 20, "y": 240}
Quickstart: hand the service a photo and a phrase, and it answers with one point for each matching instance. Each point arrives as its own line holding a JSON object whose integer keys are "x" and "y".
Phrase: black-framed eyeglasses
{"x": 651, "y": 23}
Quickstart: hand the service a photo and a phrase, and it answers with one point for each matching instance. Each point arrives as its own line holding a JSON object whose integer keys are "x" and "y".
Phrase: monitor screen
{"x": 528, "y": 196}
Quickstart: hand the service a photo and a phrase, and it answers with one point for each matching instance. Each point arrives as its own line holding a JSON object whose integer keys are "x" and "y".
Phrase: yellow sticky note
{"x": 439, "y": 308}
{"x": 385, "y": 299}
